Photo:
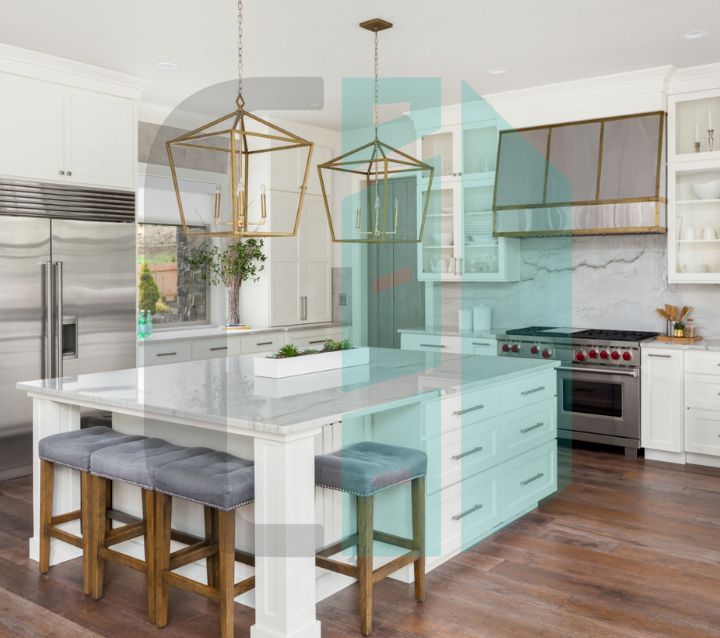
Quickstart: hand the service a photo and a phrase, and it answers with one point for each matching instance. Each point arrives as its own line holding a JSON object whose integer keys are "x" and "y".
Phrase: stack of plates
{"x": 479, "y": 232}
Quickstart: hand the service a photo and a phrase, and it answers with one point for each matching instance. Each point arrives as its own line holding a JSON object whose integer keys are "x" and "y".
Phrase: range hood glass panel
{"x": 574, "y": 152}
{"x": 630, "y": 158}
{"x": 520, "y": 177}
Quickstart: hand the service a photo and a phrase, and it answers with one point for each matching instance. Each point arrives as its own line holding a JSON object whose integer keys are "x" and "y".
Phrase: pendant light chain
{"x": 375, "y": 112}
{"x": 240, "y": 52}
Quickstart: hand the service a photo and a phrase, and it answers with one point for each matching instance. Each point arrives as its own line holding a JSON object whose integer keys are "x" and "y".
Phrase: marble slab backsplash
{"x": 587, "y": 282}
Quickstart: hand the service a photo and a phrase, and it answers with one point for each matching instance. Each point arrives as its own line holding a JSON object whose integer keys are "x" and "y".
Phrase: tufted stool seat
{"x": 364, "y": 469}
{"x": 73, "y": 450}
{"x": 222, "y": 483}
{"x": 136, "y": 463}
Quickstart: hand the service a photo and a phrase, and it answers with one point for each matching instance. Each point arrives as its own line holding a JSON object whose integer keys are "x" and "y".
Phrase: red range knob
{"x": 546, "y": 353}
{"x": 627, "y": 356}
{"x": 534, "y": 350}
{"x": 592, "y": 354}
{"x": 505, "y": 347}
{"x": 615, "y": 355}
{"x": 580, "y": 356}
{"x": 604, "y": 354}
{"x": 515, "y": 348}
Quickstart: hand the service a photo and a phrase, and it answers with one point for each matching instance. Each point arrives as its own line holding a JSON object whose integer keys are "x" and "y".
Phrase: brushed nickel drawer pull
{"x": 319, "y": 341}
{"x": 430, "y": 345}
{"x": 165, "y": 354}
{"x": 532, "y": 427}
{"x": 477, "y": 407}
{"x": 214, "y": 349}
{"x": 475, "y": 343}
{"x": 457, "y": 517}
{"x": 264, "y": 343}
{"x": 534, "y": 478}
{"x": 459, "y": 456}
{"x": 540, "y": 389}
{"x": 662, "y": 356}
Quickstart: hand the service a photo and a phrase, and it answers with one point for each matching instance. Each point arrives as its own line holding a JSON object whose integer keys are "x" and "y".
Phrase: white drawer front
{"x": 702, "y": 362}
{"x": 702, "y": 391}
{"x": 460, "y": 410}
{"x": 462, "y": 453}
{"x": 316, "y": 341}
{"x": 480, "y": 345}
{"x": 168, "y": 352}
{"x": 528, "y": 478}
{"x": 518, "y": 394}
{"x": 262, "y": 343}
{"x": 431, "y": 343}
{"x": 702, "y": 431}
{"x": 212, "y": 348}
{"x": 527, "y": 429}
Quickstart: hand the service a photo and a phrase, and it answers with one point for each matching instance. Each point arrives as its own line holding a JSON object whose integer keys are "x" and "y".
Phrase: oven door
{"x": 599, "y": 401}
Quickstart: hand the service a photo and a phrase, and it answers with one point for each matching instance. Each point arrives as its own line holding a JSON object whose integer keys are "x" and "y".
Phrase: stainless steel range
{"x": 598, "y": 381}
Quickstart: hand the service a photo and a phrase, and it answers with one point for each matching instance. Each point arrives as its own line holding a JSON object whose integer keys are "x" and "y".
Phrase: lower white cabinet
{"x": 702, "y": 432}
{"x": 432, "y": 342}
{"x": 661, "y": 392}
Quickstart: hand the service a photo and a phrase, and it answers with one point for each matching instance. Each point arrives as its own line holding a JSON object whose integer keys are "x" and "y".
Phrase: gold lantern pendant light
{"x": 376, "y": 161}
{"x": 229, "y": 134}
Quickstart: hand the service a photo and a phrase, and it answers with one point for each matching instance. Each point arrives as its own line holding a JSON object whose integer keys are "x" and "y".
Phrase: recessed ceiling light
{"x": 166, "y": 66}
{"x": 694, "y": 35}
{"x": 496, "y": 70}
{"x": 312, "y": 105}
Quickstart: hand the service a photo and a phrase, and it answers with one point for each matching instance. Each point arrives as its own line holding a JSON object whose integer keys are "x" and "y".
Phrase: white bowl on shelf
{"x": 707, "y": 190}
{"x": 446, "y": 210}
{"x": 695, "y": 268}
{"x": 443, "y": 239}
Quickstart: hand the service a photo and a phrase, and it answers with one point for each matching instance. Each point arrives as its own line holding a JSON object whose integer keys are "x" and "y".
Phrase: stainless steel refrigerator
{"x": 68, "y": 270}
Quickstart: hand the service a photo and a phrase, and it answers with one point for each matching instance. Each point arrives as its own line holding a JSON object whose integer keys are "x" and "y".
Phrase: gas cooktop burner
{"x": 568, "y": 333}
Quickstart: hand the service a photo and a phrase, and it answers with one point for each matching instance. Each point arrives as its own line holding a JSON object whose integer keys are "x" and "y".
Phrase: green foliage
{"x": 238, "y": 261}
{"x": 288, "y": 350}
{"x": 162, "y": 308}
{"x": 345, "y": 344}
{"x": 331, "y": 346}
{"x": 149, "y": 291}
{"x": 679, "y": 325}
{"x": 310, "y": 351}
{"x": 163, "y": 298}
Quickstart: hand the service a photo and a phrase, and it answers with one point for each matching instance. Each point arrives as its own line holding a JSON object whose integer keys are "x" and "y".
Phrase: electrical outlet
{"x": 343, "y": 299}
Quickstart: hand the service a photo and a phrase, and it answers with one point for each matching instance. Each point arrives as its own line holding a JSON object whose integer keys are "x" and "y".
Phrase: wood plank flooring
{"x": 630, "y": 548}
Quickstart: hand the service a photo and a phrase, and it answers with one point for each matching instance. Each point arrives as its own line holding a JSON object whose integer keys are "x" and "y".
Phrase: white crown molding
{"x": 51, "y": 68}
{"x": 695, "y": 78}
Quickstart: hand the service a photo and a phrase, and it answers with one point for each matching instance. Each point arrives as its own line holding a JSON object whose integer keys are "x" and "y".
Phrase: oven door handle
{"x": 622, "y": 373}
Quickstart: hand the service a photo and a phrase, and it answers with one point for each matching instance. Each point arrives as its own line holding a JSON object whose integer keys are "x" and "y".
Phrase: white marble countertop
{"x": 710, "y": 345}
{"x": 212, "y": 332}
{"x": 452, "y": 331}
{"x": 225, "y": 391}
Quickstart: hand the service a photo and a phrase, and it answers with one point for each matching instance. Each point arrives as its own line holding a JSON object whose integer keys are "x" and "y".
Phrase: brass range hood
{"x": 593, "y": 177}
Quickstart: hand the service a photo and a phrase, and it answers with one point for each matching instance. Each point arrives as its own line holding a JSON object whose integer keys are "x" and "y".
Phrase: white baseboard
{"x": 702, "y": 459}
{"x": 667, "y": 457}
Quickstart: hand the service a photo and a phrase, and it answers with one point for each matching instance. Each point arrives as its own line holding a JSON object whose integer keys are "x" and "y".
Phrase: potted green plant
{"x": 289, "y": 361}
{"x": 235, "y": 262}
{"x": 679, "y": 329}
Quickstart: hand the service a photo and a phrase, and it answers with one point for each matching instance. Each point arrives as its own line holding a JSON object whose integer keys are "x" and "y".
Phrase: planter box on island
{"x": 309, "y": 363}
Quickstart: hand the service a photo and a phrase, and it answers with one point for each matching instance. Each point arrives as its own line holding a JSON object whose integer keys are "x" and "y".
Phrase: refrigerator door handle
{"x": 48, "y": 318}
{"x": 58, "y": 317}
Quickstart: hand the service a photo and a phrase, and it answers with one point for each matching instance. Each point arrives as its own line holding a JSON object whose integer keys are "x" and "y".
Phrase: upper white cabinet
{"x": 31, "y": 128}
{"x": 100, "y": 132}
{"x": 51, "y": 132}
{"x": 662, "y": 399}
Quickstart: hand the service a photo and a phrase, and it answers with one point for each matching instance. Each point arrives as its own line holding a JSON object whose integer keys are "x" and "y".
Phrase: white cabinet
{"x": 662, "y": 410}
{"x": 50, "y": 132}
{"x": 287, "y": 170}
{"x": 31, "y": 128}
{"x": 431, "y": 342}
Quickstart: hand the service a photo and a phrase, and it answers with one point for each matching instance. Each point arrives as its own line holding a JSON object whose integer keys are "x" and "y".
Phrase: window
{"x": 168, "y": 286}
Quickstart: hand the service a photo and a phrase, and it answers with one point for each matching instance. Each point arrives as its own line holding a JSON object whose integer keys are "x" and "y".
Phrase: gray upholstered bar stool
{"x": 73, "y": 450}
{"x": 364, "y": 469}
{"x": 135, "y": 463}
{"x": 222, "y": 483}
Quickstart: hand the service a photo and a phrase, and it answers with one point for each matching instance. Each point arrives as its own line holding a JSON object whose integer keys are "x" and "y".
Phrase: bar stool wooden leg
{"x": 148, "y": 508}
{"x": 211, "y": 535}
{"x": 163, "y": 530}
{"x": 226, "y": 554}
{"x": 87, "y": 521}
{"x": 47, "y": 476}
{"x": 99, "y": 496}
{"x": 365, "y": 561}
{"x": 418, "y": 521}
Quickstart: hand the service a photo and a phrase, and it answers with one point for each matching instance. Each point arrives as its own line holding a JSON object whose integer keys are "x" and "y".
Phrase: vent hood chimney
{"x": 594, "y": 177}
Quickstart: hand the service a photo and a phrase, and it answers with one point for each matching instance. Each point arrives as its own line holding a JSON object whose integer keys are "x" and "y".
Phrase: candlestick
{"x": 697, "y": 147}
{"x": 217, "y": 201}
{"x": 697, "y": 133}
{"x": 710, "y": 126}
{"x": 710, "y": 139}
{"x": 262, "y": 201}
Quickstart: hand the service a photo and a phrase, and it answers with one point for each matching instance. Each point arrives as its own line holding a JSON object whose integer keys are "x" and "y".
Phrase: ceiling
{"x": 539, "y": 42}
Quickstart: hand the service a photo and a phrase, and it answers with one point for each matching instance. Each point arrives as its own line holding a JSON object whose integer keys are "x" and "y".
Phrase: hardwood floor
{"x": 630, "y": 548}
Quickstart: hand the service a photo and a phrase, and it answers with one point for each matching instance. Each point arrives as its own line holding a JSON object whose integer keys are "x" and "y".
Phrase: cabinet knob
{"x": 454, "y": 174}
{"x": 459, "y": 174}
{"x": 62, "y": 172}
{"x": 69, "y": 173}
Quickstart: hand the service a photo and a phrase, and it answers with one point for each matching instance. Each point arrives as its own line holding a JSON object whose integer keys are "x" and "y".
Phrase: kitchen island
{"x": 488, "y": 425}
